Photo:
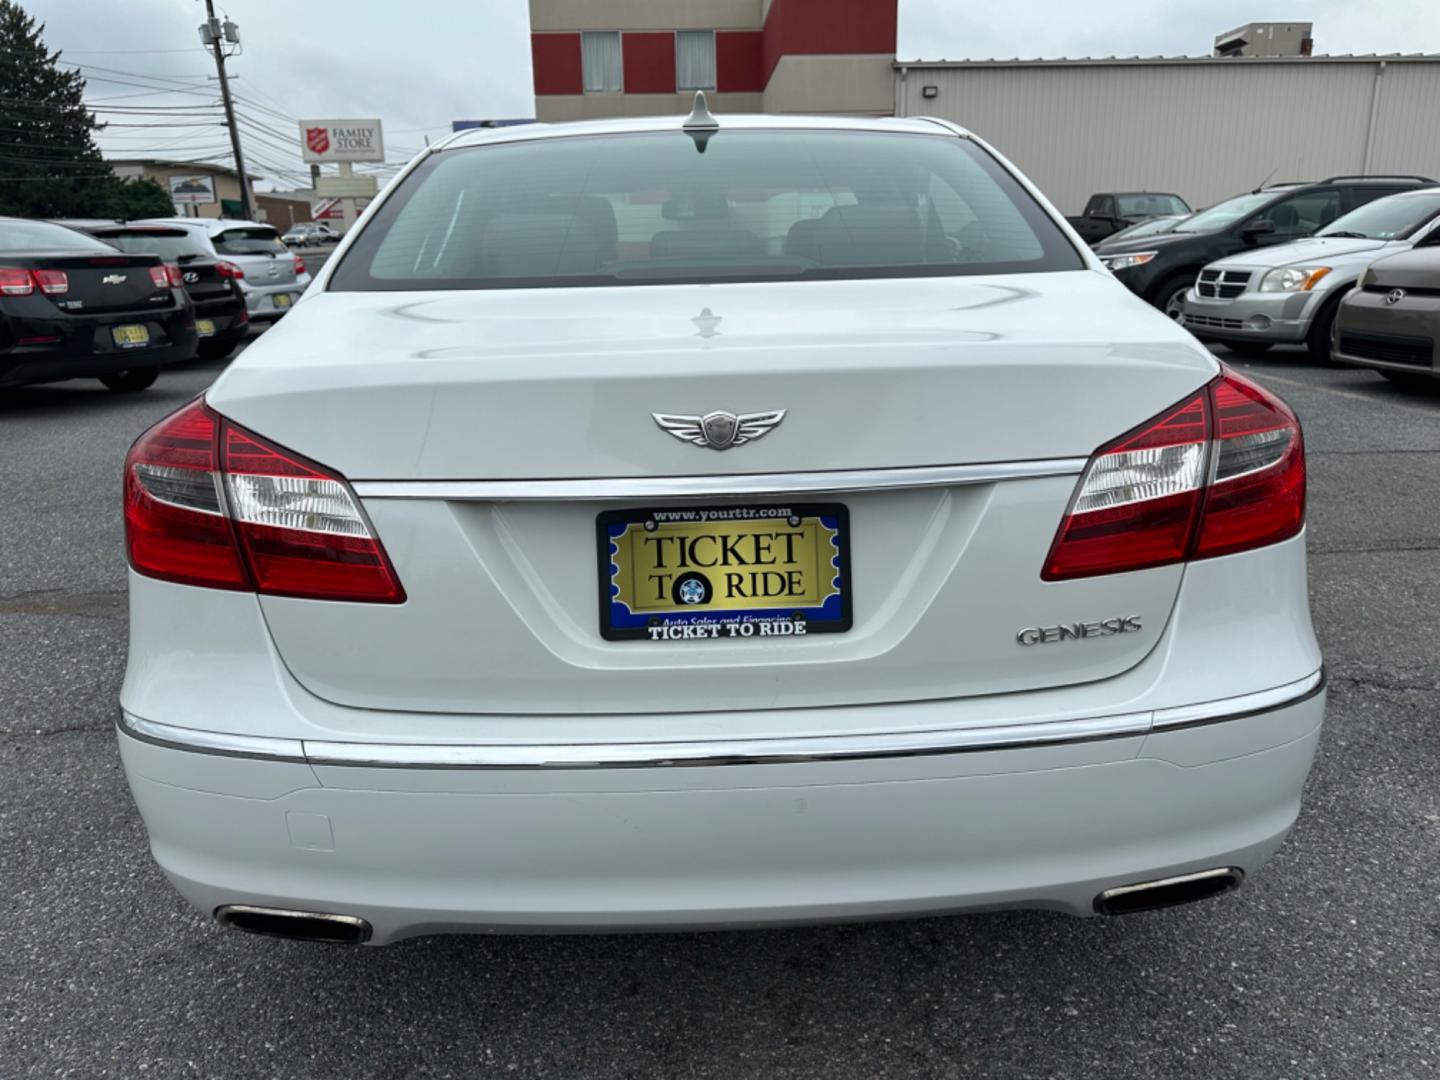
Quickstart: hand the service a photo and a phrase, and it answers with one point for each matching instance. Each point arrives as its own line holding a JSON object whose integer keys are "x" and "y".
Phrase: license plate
{"x": 722, "y": 573}
{"x": 130, "y": 336}
{"x": 283, "y": 299}
{"x": 205, "y": 327}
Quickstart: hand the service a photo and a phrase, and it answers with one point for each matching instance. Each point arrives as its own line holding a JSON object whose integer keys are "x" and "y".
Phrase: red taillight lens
{"x": 15, "y": 282}
{"x": 209, "y": 503}
{"x": 1223, "y": 471}
{"x": 159, "y": 277}
{"x": 299, "y": 266}
{"x": 228, "y": 270}
{"x": 174, "y": 276}
{"x": 175, "y": 523}
{"x": 52, "y": 282}
{"x": 1257, "y": 485}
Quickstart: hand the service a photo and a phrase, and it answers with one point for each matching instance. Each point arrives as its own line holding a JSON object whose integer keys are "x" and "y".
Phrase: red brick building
{"x": 598, "y": 58}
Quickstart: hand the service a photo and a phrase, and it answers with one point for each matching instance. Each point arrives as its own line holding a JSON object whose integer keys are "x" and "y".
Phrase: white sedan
{"x": 671, "y": 523}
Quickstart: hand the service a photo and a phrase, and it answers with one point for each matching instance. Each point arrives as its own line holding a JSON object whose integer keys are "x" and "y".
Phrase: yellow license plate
{"x": 282, "y": 299}
{"x": 722, "y": 573}
{"x": 205, "y": 327}
{"x": 129, "y": 336}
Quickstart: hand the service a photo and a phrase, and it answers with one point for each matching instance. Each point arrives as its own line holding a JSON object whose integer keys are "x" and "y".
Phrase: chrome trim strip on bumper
{"x": 723, "y": 752}
{"x": 211, "y": 742}
{"x": 717, "y": 484}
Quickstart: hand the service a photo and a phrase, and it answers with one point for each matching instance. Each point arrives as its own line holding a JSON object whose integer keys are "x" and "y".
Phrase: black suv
{"x": 1161, "y": 268}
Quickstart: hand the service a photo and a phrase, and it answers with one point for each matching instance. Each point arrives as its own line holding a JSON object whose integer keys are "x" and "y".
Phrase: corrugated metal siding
{"x": 1202, "y": 130}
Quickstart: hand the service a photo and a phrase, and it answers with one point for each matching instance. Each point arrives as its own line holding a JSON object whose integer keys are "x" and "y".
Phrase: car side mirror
{"x": 1256, "y": 230}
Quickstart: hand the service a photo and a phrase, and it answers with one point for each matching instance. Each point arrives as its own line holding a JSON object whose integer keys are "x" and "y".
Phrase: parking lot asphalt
{"x": 1325, "y": 965}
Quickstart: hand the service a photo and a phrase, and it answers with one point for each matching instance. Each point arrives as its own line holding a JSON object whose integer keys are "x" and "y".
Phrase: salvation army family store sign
{"x": 341, "y": 140}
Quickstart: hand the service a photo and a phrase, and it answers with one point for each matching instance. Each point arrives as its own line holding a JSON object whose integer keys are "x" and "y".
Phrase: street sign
{"x": 342, "y": 187}
{"x": 341, "y": 140}
{"x": 192, "y": 189}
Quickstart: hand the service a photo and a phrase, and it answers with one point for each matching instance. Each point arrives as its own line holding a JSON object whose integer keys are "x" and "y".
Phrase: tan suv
{"x": 1391, "y": 321}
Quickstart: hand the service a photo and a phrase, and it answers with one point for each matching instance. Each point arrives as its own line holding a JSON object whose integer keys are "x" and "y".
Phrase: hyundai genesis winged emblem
{"x": 719, "y": 430}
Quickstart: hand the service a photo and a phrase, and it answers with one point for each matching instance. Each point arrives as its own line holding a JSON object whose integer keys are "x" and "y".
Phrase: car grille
{"x": 1388, "y": 348}
{"x": 1212, "y": 323}
{"x": 1222, "y": 284}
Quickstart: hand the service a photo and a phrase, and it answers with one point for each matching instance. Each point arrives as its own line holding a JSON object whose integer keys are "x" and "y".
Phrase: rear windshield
{"x": 666, "y": 207}
{"x": 248, "y": 242}
{"x": 16, "y": 235}
{"x": 1141, "y": 206}
{"x": 175, "y": 246}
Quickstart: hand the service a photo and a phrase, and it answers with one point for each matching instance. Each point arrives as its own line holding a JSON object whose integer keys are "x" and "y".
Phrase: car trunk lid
{"x": 415, "y": 397}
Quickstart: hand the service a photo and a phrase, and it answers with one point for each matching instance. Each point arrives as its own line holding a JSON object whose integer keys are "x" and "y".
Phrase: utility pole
{"x": 214, "y": 35}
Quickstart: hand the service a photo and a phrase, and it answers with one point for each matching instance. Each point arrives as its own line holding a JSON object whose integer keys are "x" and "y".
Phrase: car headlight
{"x": 1293, "y": 278}
{"x": 1127, "y": 262}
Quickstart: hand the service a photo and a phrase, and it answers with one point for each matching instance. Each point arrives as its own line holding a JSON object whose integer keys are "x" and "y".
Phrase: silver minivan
{"x": 271, "y": 276}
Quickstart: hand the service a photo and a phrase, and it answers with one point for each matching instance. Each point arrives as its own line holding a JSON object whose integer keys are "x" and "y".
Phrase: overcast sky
{"x": 421, "y": 64}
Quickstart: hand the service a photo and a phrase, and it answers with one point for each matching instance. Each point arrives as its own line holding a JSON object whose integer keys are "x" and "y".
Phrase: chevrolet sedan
{"x": 691, "y": 523}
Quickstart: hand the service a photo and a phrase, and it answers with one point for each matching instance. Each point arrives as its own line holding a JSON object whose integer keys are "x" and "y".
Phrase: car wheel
{"x": 1248, "y": 348}
{"x": 1320, "y": 341}
{"x": 132, "y": 379}
{"x": 1170, "y": 297}
{"x": 1411, "y": 380}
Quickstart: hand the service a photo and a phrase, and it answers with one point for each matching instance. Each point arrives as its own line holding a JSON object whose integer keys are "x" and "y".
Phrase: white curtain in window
{"x": 600, "y": 61}
{"x": 695, "y": 60}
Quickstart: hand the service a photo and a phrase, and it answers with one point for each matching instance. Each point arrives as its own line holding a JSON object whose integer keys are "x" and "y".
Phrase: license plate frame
{"x": 130, "y": 336}
{"x": 825, "y": 607}
{"x": 205, "y": 327}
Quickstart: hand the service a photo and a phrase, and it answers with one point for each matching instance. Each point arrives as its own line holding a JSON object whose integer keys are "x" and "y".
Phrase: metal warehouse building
{"x": 1204, "y": 128}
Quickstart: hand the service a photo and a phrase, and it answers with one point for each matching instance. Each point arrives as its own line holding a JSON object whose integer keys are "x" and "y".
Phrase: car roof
{"x": 919, "y": 125}
{"x": 212, "y": 226}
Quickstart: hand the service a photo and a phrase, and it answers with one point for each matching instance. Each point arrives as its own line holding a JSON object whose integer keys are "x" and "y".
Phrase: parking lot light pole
{"x": 214, "y": 35}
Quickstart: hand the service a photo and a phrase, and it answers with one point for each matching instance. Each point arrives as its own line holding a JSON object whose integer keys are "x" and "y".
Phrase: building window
{"x": 695, "y": 60}
{"x": 600, "y": 61}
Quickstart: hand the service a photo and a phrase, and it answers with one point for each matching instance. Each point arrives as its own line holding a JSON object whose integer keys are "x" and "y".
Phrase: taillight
{"x": 174, "y": 276}
{"x": 15, "y": 282}
{"x": 228, "y": 270}
{"x": 299, "y": 266}
{"x": 1221, "y": 472}
{"x": 209, "y": 503}
{"x": 52, "y": 282}
{"x": 160, "y": 277}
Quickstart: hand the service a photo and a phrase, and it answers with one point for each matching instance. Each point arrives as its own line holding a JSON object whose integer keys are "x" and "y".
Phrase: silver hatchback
{"x": 272, "y": 277}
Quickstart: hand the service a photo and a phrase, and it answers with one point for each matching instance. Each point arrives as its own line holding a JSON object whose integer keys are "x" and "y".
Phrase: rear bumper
{"x": 261, "y": 300}
{"x": 598, "y": 843}
{"x": 85, "y": 349}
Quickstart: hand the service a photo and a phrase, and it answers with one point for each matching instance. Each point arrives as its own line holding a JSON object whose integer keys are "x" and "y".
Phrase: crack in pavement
{"x": 95, "y": 605}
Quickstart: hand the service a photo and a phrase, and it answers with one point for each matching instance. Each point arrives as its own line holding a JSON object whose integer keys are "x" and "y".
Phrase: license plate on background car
{"x": 722, "y": 573}
{"x": 282, "y": 300}
{"x": 205, "y": 327}
{"x": 130, "y": 336}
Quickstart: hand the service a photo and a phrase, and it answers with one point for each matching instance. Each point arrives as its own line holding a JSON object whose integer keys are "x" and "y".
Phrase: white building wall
{"x": 1205, "y": 129}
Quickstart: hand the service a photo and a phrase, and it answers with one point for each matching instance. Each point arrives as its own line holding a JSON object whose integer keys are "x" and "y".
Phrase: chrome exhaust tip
{"x": 1167, "y": 892}
{"x": 295, "y": 925}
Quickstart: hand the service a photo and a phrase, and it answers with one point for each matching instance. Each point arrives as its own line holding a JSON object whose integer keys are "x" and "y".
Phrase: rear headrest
{"x": 1284, "y": 216}
{"x": 537, "y": 245}
{"x": 708, "y": 243}
{"x": 800, "y": 240}
{"x": 870, "y": 234}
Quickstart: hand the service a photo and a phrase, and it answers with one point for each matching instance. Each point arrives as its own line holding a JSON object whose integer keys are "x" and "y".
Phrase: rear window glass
{"x": 248, "y": 242}
{"x": 177, "y": 246}
{"x": 653, "y": 209}
{"x": 16, "y": 235}
{"x": 1140, "y": 206}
